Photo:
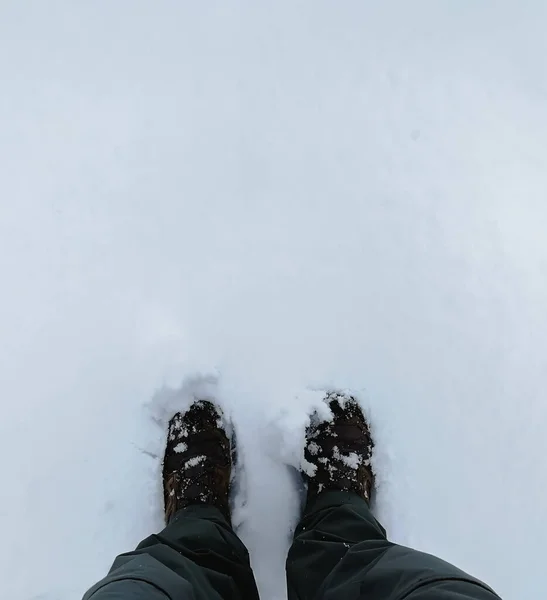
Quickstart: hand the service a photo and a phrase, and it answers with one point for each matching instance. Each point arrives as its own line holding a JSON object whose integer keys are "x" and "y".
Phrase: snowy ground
{"x": 281, "y": 196}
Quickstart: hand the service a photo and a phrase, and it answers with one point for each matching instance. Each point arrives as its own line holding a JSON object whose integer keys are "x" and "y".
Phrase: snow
{"x": 180, "y": 447}
{"x": 313, "y": 448}
{"x": 194, "y": 462}
{"x": 352, "y": 459}
{"x": 260, "y": 201}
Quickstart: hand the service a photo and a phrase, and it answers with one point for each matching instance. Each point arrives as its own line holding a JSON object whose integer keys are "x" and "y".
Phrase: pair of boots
{"x": 199, "y": 457}
{"x": 339, "y": 552}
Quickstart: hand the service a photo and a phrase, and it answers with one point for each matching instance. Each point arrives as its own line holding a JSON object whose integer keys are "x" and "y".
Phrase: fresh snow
{"x": 313, "y": 448}
{"x": 194, "y": 462}
{"x": 352, "y": 459}
{"x": 180, "y": 447}
{"x": 256, "y": 202}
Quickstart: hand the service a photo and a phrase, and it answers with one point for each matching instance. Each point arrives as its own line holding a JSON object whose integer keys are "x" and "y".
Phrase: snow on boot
{"x": 198, "y": 461}
{"x": 339, "y": 450}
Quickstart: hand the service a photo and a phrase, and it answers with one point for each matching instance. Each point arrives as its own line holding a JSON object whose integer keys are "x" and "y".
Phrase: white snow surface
{"x": 257, "y": 201}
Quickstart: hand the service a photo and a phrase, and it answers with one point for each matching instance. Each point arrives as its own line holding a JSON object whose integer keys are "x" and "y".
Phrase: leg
{"x": 340, "y": 551}
{"x": 197, "y": 556}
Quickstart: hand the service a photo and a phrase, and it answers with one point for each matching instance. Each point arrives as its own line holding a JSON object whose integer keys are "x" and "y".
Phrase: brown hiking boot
{"x": 198, "y": 460}
{"x": 340, "y": 450}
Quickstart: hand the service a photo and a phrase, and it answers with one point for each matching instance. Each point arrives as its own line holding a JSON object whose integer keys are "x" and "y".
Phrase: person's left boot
{"x": 198, "y": 460}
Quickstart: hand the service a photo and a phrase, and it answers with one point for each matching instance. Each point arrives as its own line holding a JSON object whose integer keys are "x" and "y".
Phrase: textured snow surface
{"x": 256, "y": 201}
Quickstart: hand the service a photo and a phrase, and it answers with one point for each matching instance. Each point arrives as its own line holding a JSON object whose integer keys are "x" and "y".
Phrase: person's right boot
{"x": 339, "y": 450}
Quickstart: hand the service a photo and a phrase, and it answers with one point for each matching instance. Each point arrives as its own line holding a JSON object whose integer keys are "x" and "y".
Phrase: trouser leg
{"x": 341, "y": 552}
{"x": 197, "y": 556}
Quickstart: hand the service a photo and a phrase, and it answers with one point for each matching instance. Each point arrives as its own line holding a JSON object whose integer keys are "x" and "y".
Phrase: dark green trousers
{"x": 340, "y": 552}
